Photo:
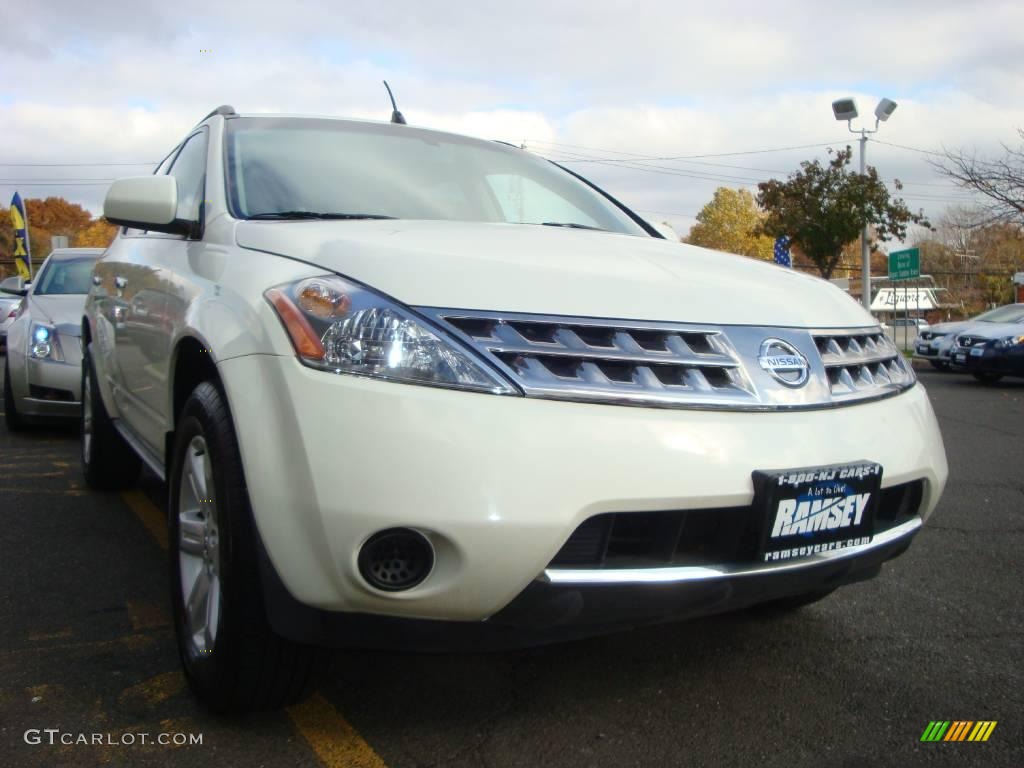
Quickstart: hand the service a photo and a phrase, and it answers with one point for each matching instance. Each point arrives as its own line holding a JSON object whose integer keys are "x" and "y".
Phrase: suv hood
{"x": 556, "y": 271}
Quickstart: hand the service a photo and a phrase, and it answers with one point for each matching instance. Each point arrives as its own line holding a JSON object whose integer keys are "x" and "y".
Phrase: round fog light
{"x": 396, "y": 559}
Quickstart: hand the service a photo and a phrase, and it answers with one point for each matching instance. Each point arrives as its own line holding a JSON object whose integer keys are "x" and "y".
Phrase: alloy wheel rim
{"x": 198, "y": 549}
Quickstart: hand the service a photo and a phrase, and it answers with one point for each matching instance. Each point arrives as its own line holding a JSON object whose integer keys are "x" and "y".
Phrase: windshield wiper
{"x": 316, "y": 215}
{"x": 571, "y": 225}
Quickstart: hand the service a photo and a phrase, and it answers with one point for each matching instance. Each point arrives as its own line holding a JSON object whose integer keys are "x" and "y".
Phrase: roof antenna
{"x": 396, "y": 116}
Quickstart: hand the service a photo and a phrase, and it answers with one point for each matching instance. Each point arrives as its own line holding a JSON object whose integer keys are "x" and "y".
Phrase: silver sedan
{"x": 42, "y": 378}
{"x": 8, "y": 312}
{"x": 937, "y": 343}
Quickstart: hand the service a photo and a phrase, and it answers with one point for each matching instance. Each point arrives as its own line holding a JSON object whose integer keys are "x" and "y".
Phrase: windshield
{"x": 350, "y": 170}
{"x": 65, "y": 276}
{"x": 1012, "y": 313}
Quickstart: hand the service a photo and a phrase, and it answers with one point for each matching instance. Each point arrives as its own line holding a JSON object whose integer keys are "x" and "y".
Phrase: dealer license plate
{"x": 960, "y": 357}
{"x": 817, "y": 509}
{"x": 977, "y": 351}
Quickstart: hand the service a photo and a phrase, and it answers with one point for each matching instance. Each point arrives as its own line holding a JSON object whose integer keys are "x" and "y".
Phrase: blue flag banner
{"x": 22, "y": 249}
{"x": 781, "y": 252}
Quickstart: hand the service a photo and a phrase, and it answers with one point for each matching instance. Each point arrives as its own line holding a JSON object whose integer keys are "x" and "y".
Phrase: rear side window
{"x": 189, "y": 169}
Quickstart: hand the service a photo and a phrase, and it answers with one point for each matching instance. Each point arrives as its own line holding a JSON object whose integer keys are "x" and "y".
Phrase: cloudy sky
{"x": 612, "y": 87}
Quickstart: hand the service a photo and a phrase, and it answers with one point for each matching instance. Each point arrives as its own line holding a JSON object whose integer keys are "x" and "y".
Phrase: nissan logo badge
{"x": 784, "y": 362}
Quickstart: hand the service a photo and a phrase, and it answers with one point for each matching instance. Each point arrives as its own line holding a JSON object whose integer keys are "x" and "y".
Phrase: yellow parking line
{"x": 150, "y": 516}
{"x": 36, "y": 489}
{"x": 336, "y": 743}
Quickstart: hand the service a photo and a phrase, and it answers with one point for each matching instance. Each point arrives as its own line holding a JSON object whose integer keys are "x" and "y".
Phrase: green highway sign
{"x": 904, "y": 265}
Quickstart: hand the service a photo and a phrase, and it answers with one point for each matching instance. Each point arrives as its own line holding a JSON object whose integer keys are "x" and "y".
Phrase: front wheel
{"x": 233, "y": 660}
{"x": 107, "y": 462}
{"x": 986, "y": 377}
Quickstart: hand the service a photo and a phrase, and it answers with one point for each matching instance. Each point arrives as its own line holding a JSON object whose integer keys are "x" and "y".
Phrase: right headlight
{"x": 341, "y": 327}
{"x": 1009, "y": 341}
{"x": 43, "y": 343}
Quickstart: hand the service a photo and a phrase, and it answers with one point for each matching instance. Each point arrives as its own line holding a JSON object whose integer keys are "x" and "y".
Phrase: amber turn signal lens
{"x": 304, "y": 338}
{"x": 321, "y": 300}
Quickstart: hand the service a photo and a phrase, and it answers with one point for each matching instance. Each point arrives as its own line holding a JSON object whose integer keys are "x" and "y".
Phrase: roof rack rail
{"x": 223, "y": 109}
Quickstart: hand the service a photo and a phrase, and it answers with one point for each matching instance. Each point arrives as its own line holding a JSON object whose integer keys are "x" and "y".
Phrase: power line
{"x": 633, "y": 161}
{"x": 687, "y": 157}
{"x": 667, "y": 213}
{"x": 50, "y": 179}
{"x": 56, "y": 184}
{"x": 64, "y": 165}
{"x": 911, "y": 149}
{"x": 743, "y": 180}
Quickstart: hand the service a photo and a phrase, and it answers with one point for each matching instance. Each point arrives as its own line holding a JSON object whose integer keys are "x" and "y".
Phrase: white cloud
{"x": 122, "y": 81}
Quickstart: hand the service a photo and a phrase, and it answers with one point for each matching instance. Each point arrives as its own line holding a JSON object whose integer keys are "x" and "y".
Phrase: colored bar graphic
{"x": 935, "y": 730}
{"x": 958, "y": 730}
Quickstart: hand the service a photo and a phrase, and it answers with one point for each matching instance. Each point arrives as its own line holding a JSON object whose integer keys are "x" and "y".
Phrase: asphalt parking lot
{"x": 87, "y": 648}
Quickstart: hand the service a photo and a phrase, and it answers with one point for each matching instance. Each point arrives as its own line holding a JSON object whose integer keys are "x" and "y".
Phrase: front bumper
{"x": 935, "y": 350}
{"x": 499, "y": 483}
{"x": 1005, "y": 362}
{"x": 561, "y": 607}
{"x": 47, "y": 389}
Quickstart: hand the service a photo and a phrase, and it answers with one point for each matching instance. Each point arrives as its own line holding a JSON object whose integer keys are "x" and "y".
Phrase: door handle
{"x": 97, "y": 280}
{"x": 120, "y": 282}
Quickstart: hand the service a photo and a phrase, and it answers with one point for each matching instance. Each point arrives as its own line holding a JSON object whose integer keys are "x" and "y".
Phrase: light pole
{"x": 846, "y": 109}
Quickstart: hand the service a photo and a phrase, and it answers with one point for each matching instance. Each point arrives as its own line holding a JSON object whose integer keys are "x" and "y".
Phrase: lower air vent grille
{"x": 723, "y": 536}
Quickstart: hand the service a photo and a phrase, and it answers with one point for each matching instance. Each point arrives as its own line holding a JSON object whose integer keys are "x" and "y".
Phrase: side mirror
{"x": 146, "y": 202}
{"x": 14, "y": 285}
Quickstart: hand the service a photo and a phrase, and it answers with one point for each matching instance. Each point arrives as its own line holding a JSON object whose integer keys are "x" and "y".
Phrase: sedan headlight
{"x": 1009, "y": 341}
{"x": 43, "y": 343}
{"x": 342, "y": 327}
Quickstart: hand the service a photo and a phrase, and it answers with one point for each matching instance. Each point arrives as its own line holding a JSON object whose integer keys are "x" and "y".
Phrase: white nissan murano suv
{"x": 409, "y": 388}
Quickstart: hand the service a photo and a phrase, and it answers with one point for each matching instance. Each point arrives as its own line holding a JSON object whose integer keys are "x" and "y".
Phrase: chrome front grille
{"x": 969, "y": 341}
{"x": 676, "y": 364}
{"x": 858, "y": 363}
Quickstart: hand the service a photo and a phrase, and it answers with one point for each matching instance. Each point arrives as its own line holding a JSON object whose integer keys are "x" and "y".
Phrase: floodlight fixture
{"x": 844, "y": 109}
{"x": 885, "y": 109}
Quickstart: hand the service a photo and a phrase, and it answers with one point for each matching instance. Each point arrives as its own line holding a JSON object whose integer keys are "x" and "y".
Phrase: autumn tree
{"x": 99, "y": 234}
{"x": 52, "y": 216}
{"x": 730, "y": 222}
{"x": 822, "y": 208}
{"x": 1000, "y": 180}
{"x": 972, "y": 258}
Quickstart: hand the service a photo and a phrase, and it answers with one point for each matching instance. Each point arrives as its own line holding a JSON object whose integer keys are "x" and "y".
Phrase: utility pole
{"x": 846, "y": 110}
{"x": 865, "y": 251}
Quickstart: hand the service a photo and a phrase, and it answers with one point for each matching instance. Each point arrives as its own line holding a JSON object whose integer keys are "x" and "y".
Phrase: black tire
{"x": 241, "y": 665}
{"x": 986, "y": 377}
{"x": 13, "y": 419}
{"x": 939, "y": 365}
{"x": 108, "y": 463}
{"x": 789, "y": 604}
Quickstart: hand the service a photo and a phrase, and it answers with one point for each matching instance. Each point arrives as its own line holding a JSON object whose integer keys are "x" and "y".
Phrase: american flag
{"x": 781, "y": 252}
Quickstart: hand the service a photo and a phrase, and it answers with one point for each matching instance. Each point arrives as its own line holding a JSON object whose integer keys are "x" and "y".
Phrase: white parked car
{"x": 44, "y": 357}
{"x": 408, "y": 387}
{"x": 904, "y": 330}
